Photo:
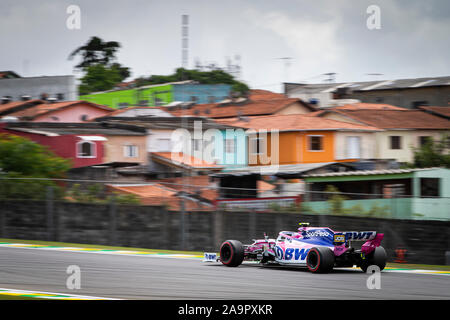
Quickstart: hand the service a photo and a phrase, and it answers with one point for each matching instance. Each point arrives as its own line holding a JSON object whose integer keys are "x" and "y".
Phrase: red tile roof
{"x": 161, "y": 195}
{"x": 182, "y": 160}
{"x": 258, "y": 94}
{"x": 13, "y": 104}
{"x": 368, "y": 106}
{"x": 396, "y": 119}
{"x": 46, "y": 108}
{"x": 294, "y": 122}
{"x": 443, "y": 111}
{"x": 192, "y": 184}
{"x": 264, "y": 186}
{"x": 248, "y": 108}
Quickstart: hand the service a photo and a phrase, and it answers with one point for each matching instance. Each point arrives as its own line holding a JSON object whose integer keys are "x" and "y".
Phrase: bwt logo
{"x": 291, "y": 253}
{"x": 358, "y": 235}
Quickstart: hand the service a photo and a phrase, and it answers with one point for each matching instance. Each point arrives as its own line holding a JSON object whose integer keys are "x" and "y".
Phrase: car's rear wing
{"x": 354, "y": 236}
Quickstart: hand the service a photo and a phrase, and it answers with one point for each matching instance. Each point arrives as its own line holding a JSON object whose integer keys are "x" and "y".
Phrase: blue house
{"x": 231, "y": 148}
{"x": 200, "y": 93}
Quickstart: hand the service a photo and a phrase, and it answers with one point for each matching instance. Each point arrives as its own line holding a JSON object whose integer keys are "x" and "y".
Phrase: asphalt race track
{"x": 131, "y": 277}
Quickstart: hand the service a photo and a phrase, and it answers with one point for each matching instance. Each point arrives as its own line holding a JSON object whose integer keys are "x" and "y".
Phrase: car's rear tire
{"x": 320, "y": 260}
{"x": 232, "y": 253}
{"x": 378, "y": 257}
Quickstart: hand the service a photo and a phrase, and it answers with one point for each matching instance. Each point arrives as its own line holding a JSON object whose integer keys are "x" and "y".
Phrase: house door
{"x": 353, "y": 147}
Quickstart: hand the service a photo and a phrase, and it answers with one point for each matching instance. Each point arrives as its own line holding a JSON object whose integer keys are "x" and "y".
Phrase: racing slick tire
{"x": 377, "y": 257}
{"x": 320, "y": 260}
{"x": 231, "y": 253}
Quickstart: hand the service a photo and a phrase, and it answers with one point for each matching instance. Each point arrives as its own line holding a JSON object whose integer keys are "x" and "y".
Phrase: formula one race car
{"x": 320, "y": 249}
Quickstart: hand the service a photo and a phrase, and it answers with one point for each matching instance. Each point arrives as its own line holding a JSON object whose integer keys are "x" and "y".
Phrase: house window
{"x": 85, "y": 149}
{"x": 211, "y": 99}
{"x": 84, "y": 117}
{"x": 353, "y": 147}
{"x": 423, "y": 140}
{"x": 429, "y": 187}
{"x": 230, "y": 146}
{"x": 164, "y": 145}
{"x": 131, "y": 151}
{"x": 395, "y": 142}
{"x": 315, "y": 143}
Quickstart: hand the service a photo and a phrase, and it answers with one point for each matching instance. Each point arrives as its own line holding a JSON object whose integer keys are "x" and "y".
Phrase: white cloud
{"x": 313, "y": 42}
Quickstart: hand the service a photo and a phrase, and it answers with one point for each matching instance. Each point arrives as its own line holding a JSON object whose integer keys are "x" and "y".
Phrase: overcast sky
{"x": 321, "y": 36}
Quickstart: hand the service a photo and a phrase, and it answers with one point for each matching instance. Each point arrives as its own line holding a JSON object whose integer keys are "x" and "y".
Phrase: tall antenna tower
{"x": 184, "y": 40}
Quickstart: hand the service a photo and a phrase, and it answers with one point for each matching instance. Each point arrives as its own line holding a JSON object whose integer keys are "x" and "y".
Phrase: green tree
{"x": 432, "y": 154}
{"x": 95, "y": 51}
{"x": 22, "y": 158}
{"x": 101, "y": 71}
{"x": 203, "y": 77}
{"x": 100, "y": 78}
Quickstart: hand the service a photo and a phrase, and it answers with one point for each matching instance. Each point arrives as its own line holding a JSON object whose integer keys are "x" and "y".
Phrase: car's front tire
{"x": 320, "y": 260}
{"x": 232, "y": 253}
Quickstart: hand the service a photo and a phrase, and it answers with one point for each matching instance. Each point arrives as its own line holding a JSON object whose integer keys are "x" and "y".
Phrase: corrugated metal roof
{"x": 367, "y": 172}
{"x": 271, "y": 170}
{"x": 371, "y": 85}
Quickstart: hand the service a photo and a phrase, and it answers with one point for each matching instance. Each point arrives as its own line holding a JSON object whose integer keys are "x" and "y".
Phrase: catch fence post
{"x": 183, "y": 224}
{"x": 218, "y": 228}
{"x": 252, "y": 224}
{"x": 50, "y": 213}
{"x": 112, "y": 220}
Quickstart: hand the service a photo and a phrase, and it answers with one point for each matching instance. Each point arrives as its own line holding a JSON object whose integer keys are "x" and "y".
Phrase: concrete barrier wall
{"x": 155, "y": 227}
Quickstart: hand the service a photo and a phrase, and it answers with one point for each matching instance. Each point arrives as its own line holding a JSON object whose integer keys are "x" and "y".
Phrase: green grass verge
{"x": 82, "y": 245}
{"x": 418, "y": 266}
{"x": 14, "y": 297}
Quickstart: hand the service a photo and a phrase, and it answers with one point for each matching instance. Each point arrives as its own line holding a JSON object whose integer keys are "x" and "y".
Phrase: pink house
{"x": 83, "y": 150}
{"x": 66, "y": 111}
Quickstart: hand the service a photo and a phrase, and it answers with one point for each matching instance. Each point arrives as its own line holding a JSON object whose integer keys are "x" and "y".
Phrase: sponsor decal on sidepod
{"x": 291, "y": 254}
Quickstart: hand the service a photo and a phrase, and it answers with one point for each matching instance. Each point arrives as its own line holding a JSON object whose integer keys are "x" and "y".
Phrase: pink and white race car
{"x": 320, "y": 249}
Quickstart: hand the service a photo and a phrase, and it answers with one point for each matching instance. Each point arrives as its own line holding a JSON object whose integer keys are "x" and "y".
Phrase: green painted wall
{"x": 132, "y": 96}
{"x": 378, "y": 208}
{"x": 431, "y": 208}
{"x": 416, "y": 208}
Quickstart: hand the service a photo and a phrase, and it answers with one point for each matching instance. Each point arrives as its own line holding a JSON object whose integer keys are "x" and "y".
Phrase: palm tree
{"x": 96, "y": 51}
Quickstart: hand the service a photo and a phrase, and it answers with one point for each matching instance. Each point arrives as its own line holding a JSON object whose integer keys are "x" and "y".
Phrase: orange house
{"x": 295, "y": 139}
